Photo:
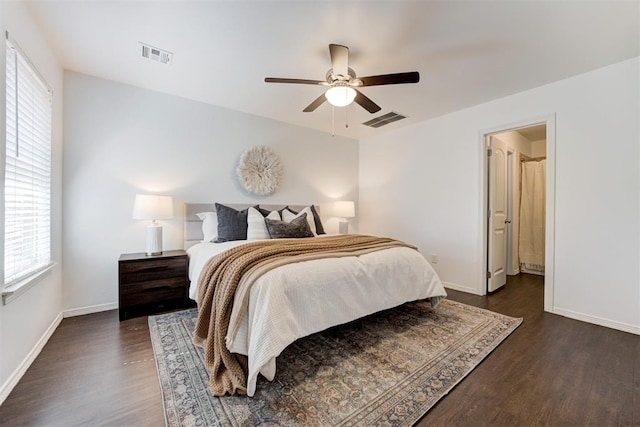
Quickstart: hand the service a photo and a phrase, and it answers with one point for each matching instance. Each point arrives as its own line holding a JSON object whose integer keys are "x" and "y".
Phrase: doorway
{"x": 510, "y": 152}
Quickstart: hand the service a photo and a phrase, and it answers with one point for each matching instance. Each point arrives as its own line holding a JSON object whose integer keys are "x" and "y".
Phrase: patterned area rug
{"x": 385, "y": 369}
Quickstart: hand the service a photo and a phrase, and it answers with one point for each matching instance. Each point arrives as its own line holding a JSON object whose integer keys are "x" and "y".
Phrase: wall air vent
{"x": 384, "y": 120}
{"x": 155, "y": 54}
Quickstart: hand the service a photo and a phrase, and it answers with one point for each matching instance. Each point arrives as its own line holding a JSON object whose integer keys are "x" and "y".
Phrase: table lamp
{"x": 344, "y": 209}
{"x": 152, "y": 207}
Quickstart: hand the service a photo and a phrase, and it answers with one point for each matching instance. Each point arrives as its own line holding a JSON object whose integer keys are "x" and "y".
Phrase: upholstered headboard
{"x": 193, "y": 224}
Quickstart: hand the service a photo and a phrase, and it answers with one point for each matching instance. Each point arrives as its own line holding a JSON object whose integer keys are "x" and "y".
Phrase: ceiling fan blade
{"x": 366, "y": 103}
{"x": 391, "y": 79}
{"x": 339, "y": 59}
{"x": 298, "y": 81}
{"x": 315, "y": 104}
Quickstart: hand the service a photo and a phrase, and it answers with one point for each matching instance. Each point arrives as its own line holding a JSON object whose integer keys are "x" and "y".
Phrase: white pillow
{"x": 288, "y": 216}
{"x": 209, "y": 226}
{"x": 256, "y": 227}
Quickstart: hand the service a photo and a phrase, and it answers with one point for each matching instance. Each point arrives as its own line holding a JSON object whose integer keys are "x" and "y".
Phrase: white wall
{"x": 27, "y": 322}
{"x": 421, "y": 183}
{"x": 122, "y": 140}
{"x": 539, "y": 148}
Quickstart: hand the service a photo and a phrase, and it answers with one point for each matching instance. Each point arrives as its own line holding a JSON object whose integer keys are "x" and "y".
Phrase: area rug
{"x": 386, "y": 369}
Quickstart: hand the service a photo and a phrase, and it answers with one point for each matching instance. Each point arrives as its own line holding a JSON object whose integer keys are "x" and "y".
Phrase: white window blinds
{"x": 27, "y": 228}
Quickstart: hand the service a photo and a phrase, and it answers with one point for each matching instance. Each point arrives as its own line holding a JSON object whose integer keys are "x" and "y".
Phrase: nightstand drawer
{"x": 135, "y": 272}
{"x": 152, "y": 291}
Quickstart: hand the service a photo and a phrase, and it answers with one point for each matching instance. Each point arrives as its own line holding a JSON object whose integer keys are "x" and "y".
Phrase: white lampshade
{"x": 340, "y": 96}
{"x": 344, "y": 209}
{"x": 153, "y": 207}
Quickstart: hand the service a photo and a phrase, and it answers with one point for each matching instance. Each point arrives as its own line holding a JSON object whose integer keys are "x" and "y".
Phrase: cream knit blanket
{"x": 236, "y": 270}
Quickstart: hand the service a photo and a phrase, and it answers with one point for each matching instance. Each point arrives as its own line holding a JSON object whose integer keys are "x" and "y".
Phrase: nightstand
{"x": 150, "y": 284}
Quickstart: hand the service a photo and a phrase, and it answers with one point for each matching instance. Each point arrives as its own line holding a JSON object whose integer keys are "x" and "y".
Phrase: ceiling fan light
{"x": 340, "y": 96}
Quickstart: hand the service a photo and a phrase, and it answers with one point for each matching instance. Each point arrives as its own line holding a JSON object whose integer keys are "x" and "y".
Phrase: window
{"x": 27, "y": 183}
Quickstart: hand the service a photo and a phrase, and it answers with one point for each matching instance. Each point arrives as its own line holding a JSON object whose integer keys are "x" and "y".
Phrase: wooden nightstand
{"x": 150, "y": 284}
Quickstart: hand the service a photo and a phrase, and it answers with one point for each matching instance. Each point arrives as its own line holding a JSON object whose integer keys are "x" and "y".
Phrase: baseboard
{"x": 12, "y": 381}
{"x": 620, "y": 326}
{"x": 89, "y": 309}
{"x": 460, "y": 288}
{"x": 527, "y": 271}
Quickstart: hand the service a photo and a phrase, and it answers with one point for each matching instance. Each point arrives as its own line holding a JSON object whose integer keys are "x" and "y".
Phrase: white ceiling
{"x": 467, "y": 52}
{"x": 534, "y": 133}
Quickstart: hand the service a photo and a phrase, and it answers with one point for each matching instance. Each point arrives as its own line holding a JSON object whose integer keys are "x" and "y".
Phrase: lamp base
{"x": 343, "y": 227}
{"x": 154, "y": 239}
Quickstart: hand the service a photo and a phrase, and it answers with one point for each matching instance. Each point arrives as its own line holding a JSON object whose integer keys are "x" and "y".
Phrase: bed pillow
{"x": 232, "y": 224}
{"x": 256, "y": 226}
{"x": 209, "y": 226}
{"x": 316, "y": 218}
{"x": 296, "y": 228}
{"x": 288, "y": 216}
{"x": 265, "y": 212}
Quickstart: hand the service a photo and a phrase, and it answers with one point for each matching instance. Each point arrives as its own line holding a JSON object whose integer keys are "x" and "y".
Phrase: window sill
{"x": 12, "y": 292}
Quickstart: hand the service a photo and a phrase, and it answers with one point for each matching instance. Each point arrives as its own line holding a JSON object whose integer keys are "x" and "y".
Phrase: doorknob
{"x": 507, "y": 221}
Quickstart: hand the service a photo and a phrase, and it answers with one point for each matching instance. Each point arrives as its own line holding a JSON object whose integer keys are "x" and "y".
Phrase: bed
{"x": 298, "y": 299}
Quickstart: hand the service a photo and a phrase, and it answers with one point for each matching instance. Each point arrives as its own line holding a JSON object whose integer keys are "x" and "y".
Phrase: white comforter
{"x": 296, "y": 300}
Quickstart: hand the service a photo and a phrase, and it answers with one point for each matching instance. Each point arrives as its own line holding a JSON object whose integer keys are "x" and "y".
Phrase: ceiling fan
{"x": 342, "y": 82}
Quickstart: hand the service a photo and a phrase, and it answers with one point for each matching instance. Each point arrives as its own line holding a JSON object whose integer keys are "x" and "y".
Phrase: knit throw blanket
{"x": 223, "y": 275}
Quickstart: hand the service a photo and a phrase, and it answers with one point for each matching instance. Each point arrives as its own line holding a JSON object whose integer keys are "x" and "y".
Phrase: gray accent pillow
{"x": 232, "y": 224}
{"x": 316, "y": 218}
{"x": 265, "y": 212}
{"x": 297, "y": 228}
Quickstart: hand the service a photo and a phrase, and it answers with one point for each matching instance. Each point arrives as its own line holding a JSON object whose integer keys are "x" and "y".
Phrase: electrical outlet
{"x": 434, "y": 258}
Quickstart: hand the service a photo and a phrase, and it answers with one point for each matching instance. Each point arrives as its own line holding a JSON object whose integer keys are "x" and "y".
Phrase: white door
{"x": 497, "y": 215}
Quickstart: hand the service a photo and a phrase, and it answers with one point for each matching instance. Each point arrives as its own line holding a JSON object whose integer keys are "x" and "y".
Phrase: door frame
{"x": 550, "y": 122}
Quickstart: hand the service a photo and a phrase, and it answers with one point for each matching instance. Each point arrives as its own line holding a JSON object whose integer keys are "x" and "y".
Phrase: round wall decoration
{"x": 260, "y": 170}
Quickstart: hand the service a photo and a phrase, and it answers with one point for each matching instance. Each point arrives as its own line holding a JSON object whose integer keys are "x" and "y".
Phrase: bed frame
{"x": 193, "y": 224}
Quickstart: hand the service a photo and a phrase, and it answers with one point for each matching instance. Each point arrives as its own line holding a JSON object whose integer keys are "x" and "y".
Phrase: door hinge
{"x": 489, "y": 152}
{"x": 488, "y": 275}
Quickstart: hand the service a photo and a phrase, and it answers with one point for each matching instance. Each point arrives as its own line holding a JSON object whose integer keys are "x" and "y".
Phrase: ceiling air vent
{"x": 156, "y": 54}
{"x": 384, "y": 120}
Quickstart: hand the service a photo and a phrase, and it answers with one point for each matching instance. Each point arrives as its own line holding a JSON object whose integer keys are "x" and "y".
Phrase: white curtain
{"x": 532, "y": 216}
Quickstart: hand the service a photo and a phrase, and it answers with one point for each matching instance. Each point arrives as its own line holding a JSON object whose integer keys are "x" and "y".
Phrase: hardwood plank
{"x": 636, "y": 386}
{"x": 548, "y": 372}
{"x": 551, "y": 371}
{"x": 94, "y": 370}
{"x": 611, "y": 400}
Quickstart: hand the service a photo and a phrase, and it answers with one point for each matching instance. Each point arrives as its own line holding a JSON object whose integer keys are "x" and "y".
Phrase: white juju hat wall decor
{"x": 260, "y": 170}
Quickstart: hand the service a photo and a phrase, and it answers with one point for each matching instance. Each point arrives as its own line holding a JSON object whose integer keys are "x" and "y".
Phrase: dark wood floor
{"x": 550, "y": 371}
